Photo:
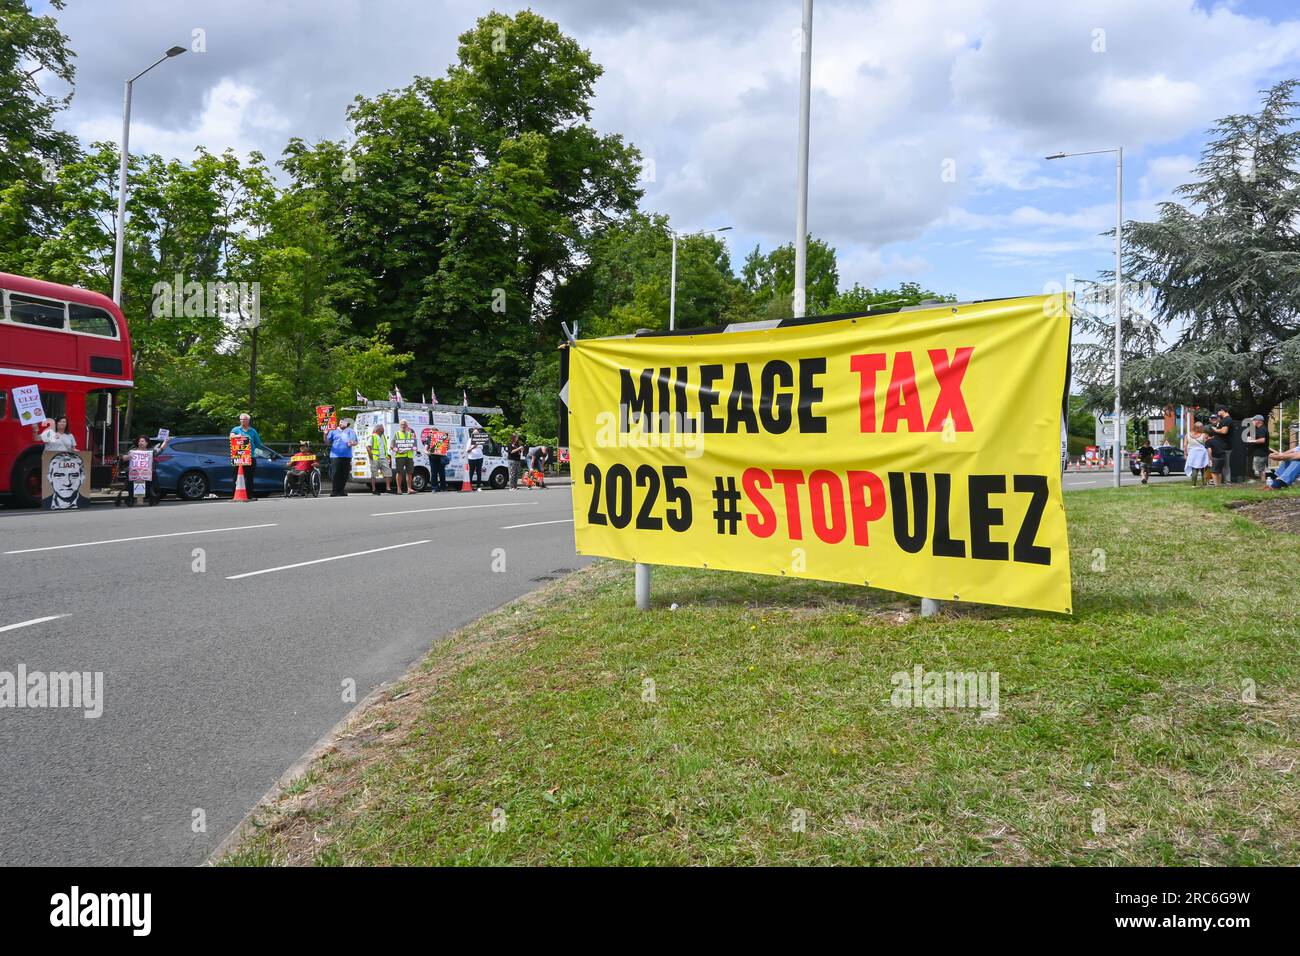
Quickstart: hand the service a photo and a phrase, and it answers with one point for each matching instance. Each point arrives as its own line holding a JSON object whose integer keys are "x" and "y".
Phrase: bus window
{"x": 55, "y": 404}
{"x": 91, "y": 321}
{"x": 29, "y": 311}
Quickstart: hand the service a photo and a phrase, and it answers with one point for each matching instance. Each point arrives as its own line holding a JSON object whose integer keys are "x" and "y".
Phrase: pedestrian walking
{"x": 1145, "y": 456}
{"x": 245, "y": 429}
{"x": 404, "y": 456}
{"x": 377, "y": 449}
{"x": 341, "y": 441}
{"x": 515, "y": 458}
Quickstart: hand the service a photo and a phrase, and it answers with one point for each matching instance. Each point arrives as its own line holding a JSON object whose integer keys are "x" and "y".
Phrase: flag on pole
{"x": 433, "y": 396}
{"x": 361, "y": 398}
{"x": 464, "y": 399}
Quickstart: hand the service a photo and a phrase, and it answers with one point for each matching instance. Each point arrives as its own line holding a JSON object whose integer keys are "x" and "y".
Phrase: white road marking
{"x": 35, "y": 620}
{"x": 143, "y": 537}
{"x": 337, "y": 557}
{"x": 416, "y": 511}
{"x": 534, "y": 524}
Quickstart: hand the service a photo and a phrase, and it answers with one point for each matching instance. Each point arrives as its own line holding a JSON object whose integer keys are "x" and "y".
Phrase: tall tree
{"x": 471, "y": 199}
{"x": 862, "y": 299}
{"x": 770, "y": 277}
{"x": 1217, "y": 274}
{"x": 31, "y": 149}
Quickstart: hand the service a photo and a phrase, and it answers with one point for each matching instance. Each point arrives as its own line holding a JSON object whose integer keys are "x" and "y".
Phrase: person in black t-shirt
{"x": 1145, "y": 454}
{"x": 1255, "y": 435}
{"x": 1218, "y": 443}
{"x": 1237, "y": 454}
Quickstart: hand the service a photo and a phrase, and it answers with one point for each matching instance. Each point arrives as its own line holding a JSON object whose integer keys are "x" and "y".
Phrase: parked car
{"x": 192, "y": 467}
{"x": 1166, "y": 461}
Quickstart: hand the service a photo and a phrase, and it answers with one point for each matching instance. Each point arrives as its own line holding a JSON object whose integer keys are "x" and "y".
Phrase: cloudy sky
{"x": 930, "y": 118}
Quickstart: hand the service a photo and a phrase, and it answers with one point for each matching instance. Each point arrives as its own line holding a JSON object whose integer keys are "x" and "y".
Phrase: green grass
{"x": 772, "y": 696}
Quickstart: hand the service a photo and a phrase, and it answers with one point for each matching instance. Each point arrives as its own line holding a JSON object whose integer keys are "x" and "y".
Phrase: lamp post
{"x": 800, "y": 303}
{"x": 672, "y": 284}
{"x": 1119, "y": 295}
{"x": 121, "y": 173}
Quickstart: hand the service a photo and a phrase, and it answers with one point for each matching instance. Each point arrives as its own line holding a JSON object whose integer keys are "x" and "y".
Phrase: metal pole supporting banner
{"x": 929, "y": 607}
{"x": 672, "y": 290}
{"x": 642, "y": 586}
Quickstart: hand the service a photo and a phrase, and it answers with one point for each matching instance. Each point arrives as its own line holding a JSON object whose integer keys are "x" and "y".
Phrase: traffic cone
{"x": 241, "y": 490}
{"x": 465, "y": 485}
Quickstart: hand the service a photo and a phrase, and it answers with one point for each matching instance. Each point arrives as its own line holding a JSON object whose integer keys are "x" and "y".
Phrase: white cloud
{"x": 233, "y": 116}
{"x": 710, "y": 93}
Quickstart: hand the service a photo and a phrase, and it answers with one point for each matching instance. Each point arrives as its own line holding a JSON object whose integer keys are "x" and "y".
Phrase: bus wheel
{"x": 420, "y": 480}
{"x": 499, "y": 478}
{"x": 27, "y": 481}
{"x": 192, "y": 486}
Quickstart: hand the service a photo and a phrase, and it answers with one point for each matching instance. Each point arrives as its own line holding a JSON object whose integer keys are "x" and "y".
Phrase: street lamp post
{"x": 800, "y": 303}
{"x": 1119, "y": 294}
{"x": 672, "y": 286}
{"x": 120, "y": 238}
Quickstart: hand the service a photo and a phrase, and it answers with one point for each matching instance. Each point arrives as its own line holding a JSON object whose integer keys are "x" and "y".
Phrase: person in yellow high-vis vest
{"x": 377, "y": 450}
{"x": 404, "y": 455}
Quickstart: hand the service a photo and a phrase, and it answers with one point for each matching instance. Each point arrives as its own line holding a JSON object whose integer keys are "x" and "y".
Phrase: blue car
{"x": 195, "y": 466}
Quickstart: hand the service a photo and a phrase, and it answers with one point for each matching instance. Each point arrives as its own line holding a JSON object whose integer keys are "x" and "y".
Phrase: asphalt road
{"x": 216, "y": 680}
{"x": 1105, "y": 478}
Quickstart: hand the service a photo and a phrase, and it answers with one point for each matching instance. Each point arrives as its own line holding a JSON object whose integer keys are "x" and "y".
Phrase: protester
{"x": 404, "y": 456}
{"x": 474, "y": 459}
{"x": 1198, "y": 459}
{"x": 341, "y": 441}
{"x": 245, "y": 429}
{"x": 1145, "y": 455}
{"x": 515, "y": 458}
{"x": 538, "y": 463}
{"x": 1257, "y": 447}
{"x": 1289, "y": 473}
{"x": 142, "y": 444}
{"x": 1217, "y": 443}
{"x": 377, "y": 449}
{"x": 436, "y": 448}
{"x": 300, "y": 469}
{"x": 54, "y": 434}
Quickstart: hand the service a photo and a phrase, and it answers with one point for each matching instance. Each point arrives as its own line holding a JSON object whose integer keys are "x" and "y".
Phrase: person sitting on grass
{"x": 1287, "y": 475}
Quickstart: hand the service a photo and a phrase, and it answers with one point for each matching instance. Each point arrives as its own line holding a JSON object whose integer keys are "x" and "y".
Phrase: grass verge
{"x": 1158, "y": 725}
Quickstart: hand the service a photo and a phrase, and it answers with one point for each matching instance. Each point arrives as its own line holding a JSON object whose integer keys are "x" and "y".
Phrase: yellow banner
{"x": 916, "y": 451}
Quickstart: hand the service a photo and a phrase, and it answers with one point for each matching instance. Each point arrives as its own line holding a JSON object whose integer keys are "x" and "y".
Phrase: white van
{"x": 461, "y": 427}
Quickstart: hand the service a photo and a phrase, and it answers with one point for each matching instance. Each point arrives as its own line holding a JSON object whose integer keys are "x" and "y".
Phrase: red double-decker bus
{"x": 75, "y": 346}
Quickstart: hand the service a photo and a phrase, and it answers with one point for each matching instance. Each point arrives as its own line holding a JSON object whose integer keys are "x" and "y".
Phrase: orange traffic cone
{"x": 241, "y": 490}
{"x": 465, "y": 485}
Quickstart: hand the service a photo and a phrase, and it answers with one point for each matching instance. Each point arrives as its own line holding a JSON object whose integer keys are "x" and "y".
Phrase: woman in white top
{"x": 1198, "y": 459}
{"x": 55, "y": 435}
